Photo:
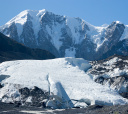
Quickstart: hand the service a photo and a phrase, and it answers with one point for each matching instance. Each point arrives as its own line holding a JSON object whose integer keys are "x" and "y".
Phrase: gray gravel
{"x": 13, "y": 109}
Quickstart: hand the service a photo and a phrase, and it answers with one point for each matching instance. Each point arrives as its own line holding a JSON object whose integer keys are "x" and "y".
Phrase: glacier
{"x": 63, "y": 78}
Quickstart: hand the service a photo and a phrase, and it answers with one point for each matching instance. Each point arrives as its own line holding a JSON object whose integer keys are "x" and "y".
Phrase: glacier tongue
{"x": 64, "y": 78}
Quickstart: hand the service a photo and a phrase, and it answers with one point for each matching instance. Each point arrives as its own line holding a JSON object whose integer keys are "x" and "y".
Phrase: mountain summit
{"x": 67, "y": 37}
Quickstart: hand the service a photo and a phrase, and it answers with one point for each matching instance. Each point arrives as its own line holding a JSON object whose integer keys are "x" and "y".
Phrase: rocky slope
{"x": 112, "y": 72}
{"x": 67, "y": 37}
{"x": 11, "y": 50}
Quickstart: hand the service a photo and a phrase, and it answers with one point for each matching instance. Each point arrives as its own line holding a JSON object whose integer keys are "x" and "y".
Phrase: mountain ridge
{"x": 66, "y": 36}
{"x": 11, "y": 50}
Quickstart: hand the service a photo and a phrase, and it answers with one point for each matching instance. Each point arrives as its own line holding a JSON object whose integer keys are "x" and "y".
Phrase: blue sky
{"x": 96, "y": 12}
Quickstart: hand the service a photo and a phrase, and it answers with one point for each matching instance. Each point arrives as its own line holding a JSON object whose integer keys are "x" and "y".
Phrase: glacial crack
{"x": 49, "y": 84}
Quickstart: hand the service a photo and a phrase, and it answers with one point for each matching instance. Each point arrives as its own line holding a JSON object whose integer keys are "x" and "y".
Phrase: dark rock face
{"x": 121, "y": 48}
{"x": 112, "y": 72}
{"x": 101, "y": 67}
{"x": 47, "y": 45}
{"x": 0, "y": 86}
{"x": 119, "y": 83}
{"x": 36, "y": 96}
{"x": 124, "y": 94}
{"x": 113, "y": 34}
{"x": 11, "y": 50}
{"x": 86, "y": 50}
{"x": 12, "y": 30}
{"x": 28, "y": 35}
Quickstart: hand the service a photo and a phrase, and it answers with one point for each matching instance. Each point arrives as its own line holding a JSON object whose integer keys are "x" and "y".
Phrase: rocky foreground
{"x": 95, "y": 109}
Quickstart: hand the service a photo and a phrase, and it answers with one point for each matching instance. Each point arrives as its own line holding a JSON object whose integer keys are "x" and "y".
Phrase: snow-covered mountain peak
{"x": 21, "y": 18}
{"x": 63, "y": 35}
{"x": 41, "y": 12}
{"x": 115, "y": 23}
{"x": 118, "y": 22}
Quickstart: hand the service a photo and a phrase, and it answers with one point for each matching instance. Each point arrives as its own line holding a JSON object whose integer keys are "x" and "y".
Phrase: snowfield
{"x": 63, "y": 77}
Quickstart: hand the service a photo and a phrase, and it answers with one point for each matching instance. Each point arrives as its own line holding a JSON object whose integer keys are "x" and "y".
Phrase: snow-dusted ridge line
{"x": 21, "y": 16}
{"x": 68, "y": 76}
{"x": 21, "y": 19}
{"x": 37, "y": 15}
{"x": 65, "y": 36}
